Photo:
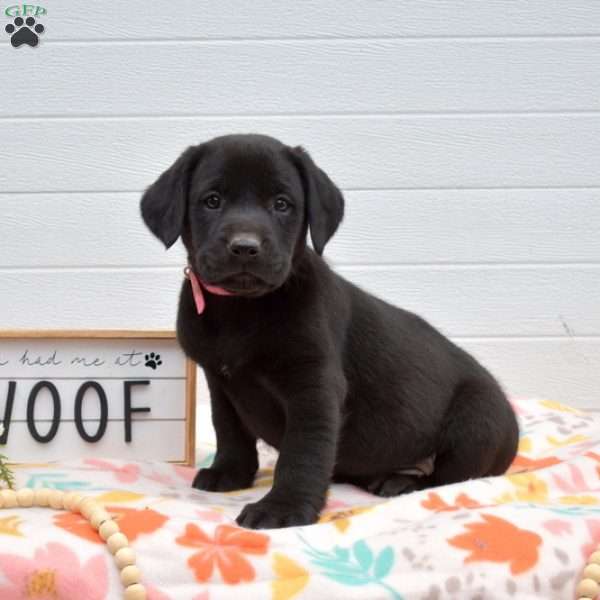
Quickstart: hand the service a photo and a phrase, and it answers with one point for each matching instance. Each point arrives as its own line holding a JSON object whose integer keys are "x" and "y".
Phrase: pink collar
{"x": 197, "y": 286}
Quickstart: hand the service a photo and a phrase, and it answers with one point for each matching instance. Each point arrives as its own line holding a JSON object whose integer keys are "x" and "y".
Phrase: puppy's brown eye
{"x": 212, "y": 201}
{"x": 281, "y": 204}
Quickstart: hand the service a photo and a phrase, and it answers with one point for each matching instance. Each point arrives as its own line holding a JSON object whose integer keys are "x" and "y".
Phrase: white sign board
{"x": 77, "y": 394}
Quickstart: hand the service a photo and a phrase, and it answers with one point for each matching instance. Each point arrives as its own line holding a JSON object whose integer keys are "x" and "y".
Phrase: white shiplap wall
{"x": 466, "y": 135}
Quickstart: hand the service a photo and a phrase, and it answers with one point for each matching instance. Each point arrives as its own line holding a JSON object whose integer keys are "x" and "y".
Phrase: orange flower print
{"x": 132, "y": 522}
{"x": 436, "y": 503}
{"x": 341, "y": 518}
{"x": 225, "y": 552}
{"x": 497, "y": 540}
{"x": 523, "y": 463}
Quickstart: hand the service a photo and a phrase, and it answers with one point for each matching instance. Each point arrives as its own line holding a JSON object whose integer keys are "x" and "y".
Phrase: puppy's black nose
{"x": 244, "y": 246}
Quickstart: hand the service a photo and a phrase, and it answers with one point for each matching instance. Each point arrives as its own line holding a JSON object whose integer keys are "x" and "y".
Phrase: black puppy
{"x": 345, "y": 385}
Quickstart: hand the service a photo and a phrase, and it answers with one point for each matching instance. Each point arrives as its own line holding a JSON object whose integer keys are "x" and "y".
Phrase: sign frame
{"x": 120, "y": 334}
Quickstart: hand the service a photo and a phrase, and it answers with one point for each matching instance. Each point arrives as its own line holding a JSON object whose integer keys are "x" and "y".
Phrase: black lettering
{"x": 51, "y": 360}
{"x": 43, "y": 439}
{"x": 129, "y": 359}
{"x": 103, "y": 411}
{"x": 79, "y": 360}
{"x": 127, "y": 385}
{"x": 24, "y": 360}
{"x": 10, "y": 400}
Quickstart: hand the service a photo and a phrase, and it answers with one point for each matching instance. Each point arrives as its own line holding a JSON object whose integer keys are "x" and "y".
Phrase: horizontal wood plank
{"x": 567, "y": 370}
{"x": 206, "y": 19}
{"x": 358, "y": 152}
{"x": 282, "y": 78}
{"x": 472, "y": 301}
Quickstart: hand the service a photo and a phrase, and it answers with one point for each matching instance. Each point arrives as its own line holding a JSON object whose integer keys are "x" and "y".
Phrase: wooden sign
{"x": 116, "y": 394}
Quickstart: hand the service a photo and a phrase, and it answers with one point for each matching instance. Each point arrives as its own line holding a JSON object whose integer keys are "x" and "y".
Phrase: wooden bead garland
{"x": 99, "y": 519}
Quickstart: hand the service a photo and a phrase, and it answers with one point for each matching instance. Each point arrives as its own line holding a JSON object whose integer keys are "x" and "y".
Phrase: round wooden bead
{"x": 25, "y": 497}
{"x": 98, "y": 517}
{"x": 75, "y": 502}
{"x": 117, "y": 541}
{"x": 130, "y": 575}
{"x": 595, "y": 558}
{"x": 9, "y": 498}
{"x": 125, "y": 557}
{"x": 68, "y": 500}
{"x": 40, "y": 496}
{"x": 135, "y": 592}
{"x": 108, "y": 528}
{"x": 588, "y": 587}
{"x": 56, "y": 499}
{"x": 592, "y": 571}
{"x": 87, "y": 506}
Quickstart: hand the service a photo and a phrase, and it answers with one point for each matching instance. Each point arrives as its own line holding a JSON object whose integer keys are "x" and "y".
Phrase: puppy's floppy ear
{"x": 325, "y": 203}
{"x": 164, "y": 203}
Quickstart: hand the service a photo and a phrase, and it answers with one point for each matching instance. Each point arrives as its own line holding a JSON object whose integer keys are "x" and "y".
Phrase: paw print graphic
{"x": 153, "y": 360}
{"x": 24, "y": 32}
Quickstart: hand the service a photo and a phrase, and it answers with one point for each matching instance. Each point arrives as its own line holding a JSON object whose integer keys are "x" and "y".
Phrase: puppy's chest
{"x": 255, "y": 400}
{"x": 242, "y": 369}
{"x": 228, "y": 358}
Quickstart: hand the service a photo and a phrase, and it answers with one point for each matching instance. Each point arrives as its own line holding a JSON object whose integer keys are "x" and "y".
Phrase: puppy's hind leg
{"x": 479, "y": 436}
{"x": 402, "y": 481}
{"x": 393, "y": 485}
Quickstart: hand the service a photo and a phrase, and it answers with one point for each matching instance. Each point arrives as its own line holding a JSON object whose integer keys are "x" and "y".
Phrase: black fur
{"x": 346, "y": 386}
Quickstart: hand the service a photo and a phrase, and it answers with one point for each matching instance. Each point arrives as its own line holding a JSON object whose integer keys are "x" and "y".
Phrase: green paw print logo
{"x": 25, "y": 28}
{"x": 24, "y": 32}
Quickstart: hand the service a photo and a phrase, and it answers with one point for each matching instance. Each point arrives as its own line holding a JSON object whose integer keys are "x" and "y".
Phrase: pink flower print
{"x": 186, "y": 473}
{"x": 557, "y": 526}
{"x": 156, "y": 594}
{"x": 126, "y": 474}
{"x": 54, "y": 573}
{"x": 593, "y": 526}
{"x": 576, "y": 485}
{"x": 160, "y": 478}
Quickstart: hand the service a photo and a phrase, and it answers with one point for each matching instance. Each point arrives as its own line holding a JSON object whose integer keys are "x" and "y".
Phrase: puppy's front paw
{"x": 216, "y": 480}
{"x": 265, "y": 514}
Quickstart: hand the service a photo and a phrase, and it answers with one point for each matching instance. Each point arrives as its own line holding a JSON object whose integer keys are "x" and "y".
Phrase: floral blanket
{"x": 524, "y": 535}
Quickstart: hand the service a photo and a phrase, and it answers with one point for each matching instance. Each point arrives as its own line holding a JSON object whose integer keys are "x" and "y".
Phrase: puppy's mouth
{"x": 244, "y": 284}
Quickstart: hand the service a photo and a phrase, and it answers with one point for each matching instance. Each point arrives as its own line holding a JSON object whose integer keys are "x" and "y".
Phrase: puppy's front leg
{"x": 236, "y": 460}
{"x": 313, "y": 403}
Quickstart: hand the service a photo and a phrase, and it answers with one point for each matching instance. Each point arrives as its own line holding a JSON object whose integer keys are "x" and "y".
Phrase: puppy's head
{"x": 243, "y": 205}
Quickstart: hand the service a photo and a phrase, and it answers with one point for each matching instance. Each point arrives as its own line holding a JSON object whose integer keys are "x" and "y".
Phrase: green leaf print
{"x": 354, "y": 566}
